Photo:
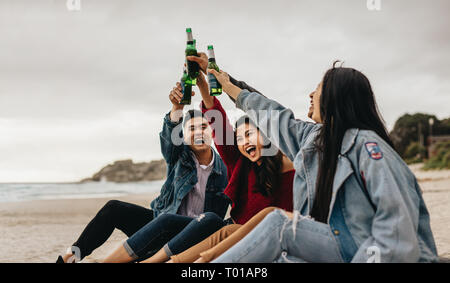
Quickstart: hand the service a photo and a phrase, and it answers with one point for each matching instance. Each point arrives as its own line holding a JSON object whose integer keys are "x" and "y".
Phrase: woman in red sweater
{"x": 257, "y": 183}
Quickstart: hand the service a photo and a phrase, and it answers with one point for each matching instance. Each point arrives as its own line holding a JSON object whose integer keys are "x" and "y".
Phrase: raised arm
{"x": 242, "y": 85}
{"x": 222, "y": 130}
{"x": 172, "y": 120}
{"x": 169, "y": 150}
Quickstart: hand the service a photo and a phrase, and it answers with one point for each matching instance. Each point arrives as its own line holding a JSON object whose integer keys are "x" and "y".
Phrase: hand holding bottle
{"x": 224, "y": 80}
{"x": 175, "y": 97}
{"x": 202, "y": 60}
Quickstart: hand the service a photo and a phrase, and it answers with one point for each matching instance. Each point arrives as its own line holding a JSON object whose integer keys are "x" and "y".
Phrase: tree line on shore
{"x": 412, "y": 134}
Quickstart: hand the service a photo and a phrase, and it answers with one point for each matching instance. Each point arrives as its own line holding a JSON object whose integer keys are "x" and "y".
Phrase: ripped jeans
{"x": 166, "y": 227}
{"x": 280, "y": 239}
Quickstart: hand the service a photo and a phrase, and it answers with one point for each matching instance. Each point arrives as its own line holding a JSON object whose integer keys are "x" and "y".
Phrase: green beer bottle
{"x": 193, "y": 68}
{"x": 215, "y": 88}
{"x": 186, "y": 88}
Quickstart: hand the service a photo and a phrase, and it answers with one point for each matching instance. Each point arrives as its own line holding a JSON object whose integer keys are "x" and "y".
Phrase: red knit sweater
{"x": 246, "y": 200}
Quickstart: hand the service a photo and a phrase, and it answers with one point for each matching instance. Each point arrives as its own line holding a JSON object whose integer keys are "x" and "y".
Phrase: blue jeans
{"x": 155, "y": 234}
{"x": 195, "y": 232}
{"x": 280, "y": 239}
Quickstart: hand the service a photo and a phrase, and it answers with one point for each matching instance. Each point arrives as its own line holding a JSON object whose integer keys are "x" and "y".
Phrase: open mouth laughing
{"x": 199, "y": 141}
{"x": 251, "y": 150}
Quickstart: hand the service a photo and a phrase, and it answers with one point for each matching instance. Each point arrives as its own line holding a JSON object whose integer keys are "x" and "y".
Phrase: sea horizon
{"x": 17, "y": 192}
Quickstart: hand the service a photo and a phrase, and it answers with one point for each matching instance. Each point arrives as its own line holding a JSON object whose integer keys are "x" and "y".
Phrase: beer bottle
{"x": 186, "y": 88}
{"x": 193, "y": 68}
{"x": 215, "y": 88}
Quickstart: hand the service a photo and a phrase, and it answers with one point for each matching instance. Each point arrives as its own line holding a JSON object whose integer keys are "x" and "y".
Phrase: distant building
{"x": 433, "y": 141}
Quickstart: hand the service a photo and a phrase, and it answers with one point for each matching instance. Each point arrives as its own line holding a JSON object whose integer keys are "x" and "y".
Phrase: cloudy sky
{"x": 81, "y": 89}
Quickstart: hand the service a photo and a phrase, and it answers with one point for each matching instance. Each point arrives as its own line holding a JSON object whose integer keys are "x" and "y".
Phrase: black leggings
{"x": 127, "y": 217}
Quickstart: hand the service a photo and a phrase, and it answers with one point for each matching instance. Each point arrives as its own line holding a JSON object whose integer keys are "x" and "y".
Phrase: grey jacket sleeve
{"x": 241, "y": 85}
{"x": 276, "y": 122}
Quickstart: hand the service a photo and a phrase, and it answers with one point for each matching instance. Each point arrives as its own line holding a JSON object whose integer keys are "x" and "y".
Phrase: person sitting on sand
{"x": 196, "y": 178}
{"x": 355, "y": 199}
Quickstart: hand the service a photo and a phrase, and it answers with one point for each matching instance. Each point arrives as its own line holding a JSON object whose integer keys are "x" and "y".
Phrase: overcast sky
{"x": 79, "y": 90}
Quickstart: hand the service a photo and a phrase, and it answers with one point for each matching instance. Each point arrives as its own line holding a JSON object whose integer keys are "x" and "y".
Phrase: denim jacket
{"x": 377, "y": 205}
{"x": 182, "y": 177}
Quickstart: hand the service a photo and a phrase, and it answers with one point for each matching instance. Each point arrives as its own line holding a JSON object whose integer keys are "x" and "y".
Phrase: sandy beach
{"x": 38, "y": 231}
{"x": 436, "y": 193}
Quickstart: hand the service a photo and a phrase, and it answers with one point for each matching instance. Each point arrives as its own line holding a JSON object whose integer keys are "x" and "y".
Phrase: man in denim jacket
{"x": 196, "y": 179}
{"x": 183, "y": 159}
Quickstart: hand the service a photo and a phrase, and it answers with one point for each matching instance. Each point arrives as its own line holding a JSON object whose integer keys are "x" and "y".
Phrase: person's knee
{"x": 109, "y": 208}
{"x": 210, "y": 218}
{"x": 229, "y": 229}
{"x": 277, "y": 215}
{"x": 165, "y": 217}
{"x": 268, "y": 210}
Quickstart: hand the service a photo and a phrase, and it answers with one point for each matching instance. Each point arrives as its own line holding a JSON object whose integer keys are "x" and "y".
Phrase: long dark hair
{"x": 347, "y": 101}
{"x": 268, "y": 174}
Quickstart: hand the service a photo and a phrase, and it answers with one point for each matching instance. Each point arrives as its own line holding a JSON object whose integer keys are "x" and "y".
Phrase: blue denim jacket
{"x": 376, "y": 205}
{"x": 182, "y": 176}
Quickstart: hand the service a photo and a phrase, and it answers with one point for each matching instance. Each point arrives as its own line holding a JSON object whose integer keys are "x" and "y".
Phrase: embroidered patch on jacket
{"x": 374, "y": 150}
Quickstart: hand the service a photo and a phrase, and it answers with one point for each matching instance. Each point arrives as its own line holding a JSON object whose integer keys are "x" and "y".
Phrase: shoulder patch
{"x": 373, "y": 150}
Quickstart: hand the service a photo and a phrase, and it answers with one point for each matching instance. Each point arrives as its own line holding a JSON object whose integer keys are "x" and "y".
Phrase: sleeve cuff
{"x": 171, "y": 123}
{"x": 241, "y": 99}
{"x": 167, "y": 250}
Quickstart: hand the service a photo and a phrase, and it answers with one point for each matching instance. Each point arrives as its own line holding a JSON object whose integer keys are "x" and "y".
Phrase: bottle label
{"x": 213, "y": 82}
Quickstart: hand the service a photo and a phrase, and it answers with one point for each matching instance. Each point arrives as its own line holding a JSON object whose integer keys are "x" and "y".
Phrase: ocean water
{"x": 26, "y": 192}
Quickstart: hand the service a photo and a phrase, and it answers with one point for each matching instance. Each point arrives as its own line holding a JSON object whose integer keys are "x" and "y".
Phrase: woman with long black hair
{"x": 355, "y": 200}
